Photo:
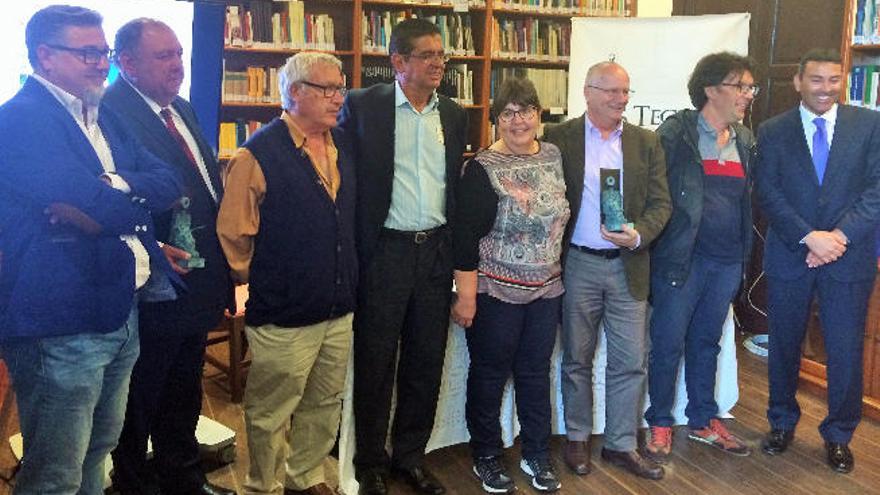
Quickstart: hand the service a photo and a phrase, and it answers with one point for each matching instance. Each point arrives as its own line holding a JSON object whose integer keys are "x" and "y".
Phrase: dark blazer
{"x": 209, "y": 287}
{"x": 367, "y": 119}
{"x": 795, "y": 204}
{"x": 56, "y": 279}
{"x": 645, "y": 194}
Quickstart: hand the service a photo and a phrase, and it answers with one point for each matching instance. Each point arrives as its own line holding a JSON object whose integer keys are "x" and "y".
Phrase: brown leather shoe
{"x": 633, "y": 462}
{"x": 319, "y": 489}
{"x": 577, "y": 457}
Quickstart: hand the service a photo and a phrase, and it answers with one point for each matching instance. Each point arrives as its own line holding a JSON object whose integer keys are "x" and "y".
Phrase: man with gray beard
{"x": 76, "y": 192}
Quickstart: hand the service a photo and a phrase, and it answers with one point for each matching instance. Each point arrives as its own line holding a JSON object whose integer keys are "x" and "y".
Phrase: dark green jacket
{"x": 645, "y": 195}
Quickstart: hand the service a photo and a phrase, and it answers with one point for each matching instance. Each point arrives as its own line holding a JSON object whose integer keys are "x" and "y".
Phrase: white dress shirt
{"x": 187, "y": 137}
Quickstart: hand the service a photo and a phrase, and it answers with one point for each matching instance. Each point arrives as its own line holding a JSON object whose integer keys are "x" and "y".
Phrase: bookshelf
{"x": 860, "y": 50}
{"x": 487, "y": 39}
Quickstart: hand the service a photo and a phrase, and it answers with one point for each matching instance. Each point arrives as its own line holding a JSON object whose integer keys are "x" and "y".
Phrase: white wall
{"x": 14, "y": 65}
{"x": 655, "y": 8}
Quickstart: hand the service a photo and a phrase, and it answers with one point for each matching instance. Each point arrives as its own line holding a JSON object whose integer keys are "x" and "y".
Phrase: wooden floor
{"x": 694, "y": 468}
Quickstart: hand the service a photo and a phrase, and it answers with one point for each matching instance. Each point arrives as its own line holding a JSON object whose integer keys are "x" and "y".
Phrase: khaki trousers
{"x": 292, "y": 402}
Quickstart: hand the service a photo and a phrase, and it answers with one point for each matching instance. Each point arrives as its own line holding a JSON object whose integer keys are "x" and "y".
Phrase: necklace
{"x": 533, "y": 149}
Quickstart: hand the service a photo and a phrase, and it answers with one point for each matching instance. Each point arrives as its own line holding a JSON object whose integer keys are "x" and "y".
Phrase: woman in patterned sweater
{"x": 508, "y": 231}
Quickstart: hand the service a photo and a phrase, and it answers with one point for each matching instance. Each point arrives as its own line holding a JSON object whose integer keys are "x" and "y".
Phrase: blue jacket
{"x": 56, "y": 279}
{"x": 795, "y": 204}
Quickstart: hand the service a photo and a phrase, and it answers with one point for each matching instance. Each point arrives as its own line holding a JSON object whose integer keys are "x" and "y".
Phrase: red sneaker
{"x": 716, "y": 435}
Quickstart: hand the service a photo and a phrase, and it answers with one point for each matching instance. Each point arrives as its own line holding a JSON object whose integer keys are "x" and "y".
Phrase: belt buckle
{"x": 420, "y": 237}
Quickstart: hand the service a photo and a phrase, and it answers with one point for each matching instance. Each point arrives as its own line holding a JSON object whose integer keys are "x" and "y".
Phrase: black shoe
{"x": 421, "y": 480}
{"x": 840, "y": 458}
{"x": 776, "y": 442}
{"x": 633, "y": 462}
{"x": 543, "y": 475}
{"x": 493, "y": 475}
{"x": 372, "y": 483}
{"x": 211, "y": 489}
{"x": 319, "y": 489}
{"x": 144, "y": 485}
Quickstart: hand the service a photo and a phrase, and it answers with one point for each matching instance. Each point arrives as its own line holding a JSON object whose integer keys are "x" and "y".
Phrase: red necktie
{"x": 169, "y": 123}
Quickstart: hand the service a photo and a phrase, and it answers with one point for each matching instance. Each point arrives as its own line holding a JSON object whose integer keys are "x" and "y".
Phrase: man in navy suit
{"x": 76, "y": 194}
{"x": 165, "y": 396}
{"x": 408, "y": 143}
{"x": 818, "y": 183}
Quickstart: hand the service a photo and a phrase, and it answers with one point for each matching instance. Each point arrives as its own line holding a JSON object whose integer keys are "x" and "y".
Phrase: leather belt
{"x": 608, "y": 254}
{"x": 416, "y": 237}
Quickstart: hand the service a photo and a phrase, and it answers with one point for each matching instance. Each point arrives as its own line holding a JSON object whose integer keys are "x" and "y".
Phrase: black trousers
{"x": 164, "y": 401}
{"x": 404, "y": 298}
{"x": 843, "y": 307}
{"x": 511, "y": 339}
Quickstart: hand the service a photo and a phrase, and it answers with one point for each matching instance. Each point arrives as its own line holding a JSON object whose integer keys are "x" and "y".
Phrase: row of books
{"x": 551, "y": 84}
{"x": 260, "y": 84}
{"x": 287, "y": 27}
{"x": 234, "y": 134}
{"x": 606, "y": 8}
{"x": 531, "y": 38}
{"x": 455, "y": 30}
{"x": 866, "y": 25}
{"x": 457, "y": 82}
{"x": 863, "y": 86}
{"x": 444, "y": 3}
{"x": 253, "y": 85}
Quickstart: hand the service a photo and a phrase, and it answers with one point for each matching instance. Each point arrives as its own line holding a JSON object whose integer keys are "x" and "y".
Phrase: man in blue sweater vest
{"x": 286, "y": 224}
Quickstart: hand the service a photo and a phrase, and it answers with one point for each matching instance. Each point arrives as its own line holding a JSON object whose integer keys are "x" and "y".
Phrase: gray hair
{"x": 48, "y": 25}
{"x": 298, "y": 68}
{"x": 600, "y": 69}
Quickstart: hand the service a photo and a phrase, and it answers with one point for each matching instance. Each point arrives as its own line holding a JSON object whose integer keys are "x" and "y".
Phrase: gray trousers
{"x": 596, "y": 292}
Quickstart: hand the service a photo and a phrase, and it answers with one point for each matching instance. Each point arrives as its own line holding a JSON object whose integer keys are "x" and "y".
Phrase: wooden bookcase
{"x": 347, "y": 16}
{"x": 813, "y": 372}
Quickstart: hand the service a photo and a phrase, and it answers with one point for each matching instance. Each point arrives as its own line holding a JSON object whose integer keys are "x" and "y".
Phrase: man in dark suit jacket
{"x": 408, "y": 143}
{"x": 76, "y": 193}
{"x": 166, "y": 394}
{"x": 606, "y": 273}
{"x": 818, "y": 183}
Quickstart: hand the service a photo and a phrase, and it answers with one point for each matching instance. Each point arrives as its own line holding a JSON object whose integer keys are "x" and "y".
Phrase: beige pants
{"x": 292, "y": 402}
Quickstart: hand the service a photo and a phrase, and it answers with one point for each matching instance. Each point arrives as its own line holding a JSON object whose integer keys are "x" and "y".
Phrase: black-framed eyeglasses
{"x": 613, "y": 91}
{"x": 742, "y": 89}
{"x": 89, "y": 56}
{"x": 428, "y": 57}
{"x": 328, "y": 90}
{"x": 528, "y": 113}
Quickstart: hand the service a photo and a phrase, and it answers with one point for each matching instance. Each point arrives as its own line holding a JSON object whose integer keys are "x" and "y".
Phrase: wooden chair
{"x": 231, "y": 330}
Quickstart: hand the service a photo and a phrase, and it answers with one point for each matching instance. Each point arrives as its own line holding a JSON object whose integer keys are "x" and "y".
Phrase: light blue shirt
{"x": 810, "y": 128}
{"x": 418, "y": 195}
{"x": 598, "y": 153}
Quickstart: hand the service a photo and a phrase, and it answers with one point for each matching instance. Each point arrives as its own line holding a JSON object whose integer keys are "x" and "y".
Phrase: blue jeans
{"x": 688, "y": 319}
{"x": 507, "y": 339}
{"x": 71, "y": 392}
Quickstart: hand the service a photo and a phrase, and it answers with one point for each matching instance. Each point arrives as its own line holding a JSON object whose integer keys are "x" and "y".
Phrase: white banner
{"x": 658, "y": 53}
